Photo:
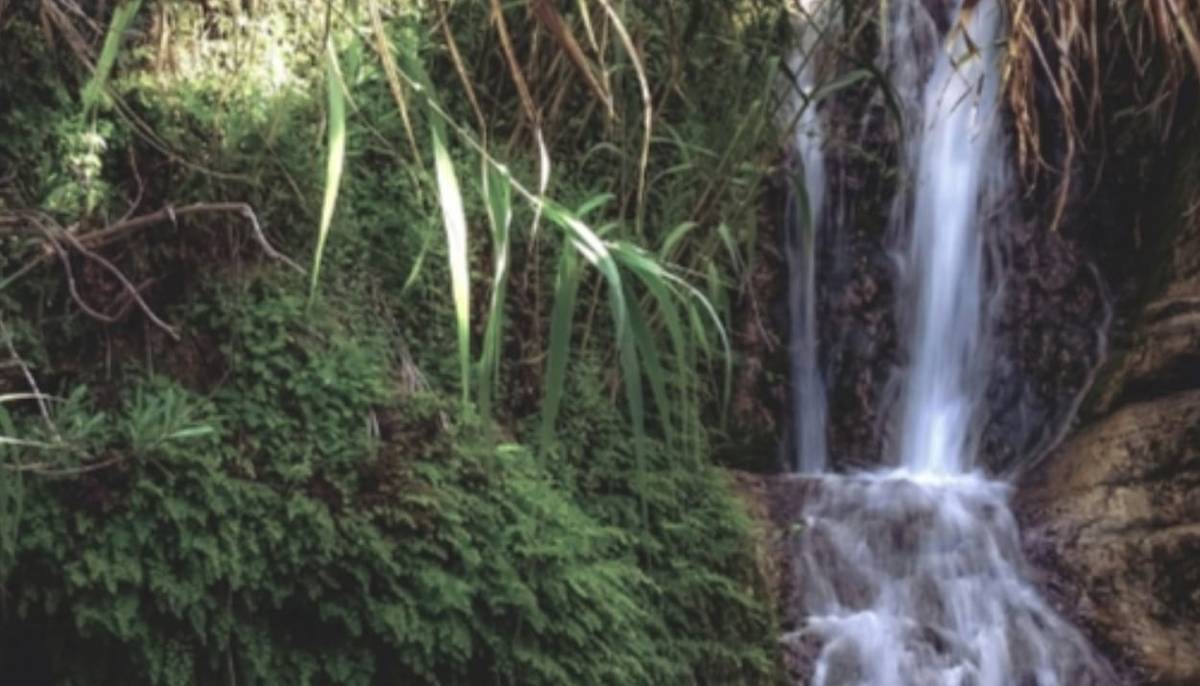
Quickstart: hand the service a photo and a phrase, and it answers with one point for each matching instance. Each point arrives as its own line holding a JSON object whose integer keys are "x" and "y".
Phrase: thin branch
{"x": 129, "y": 287}
{"x": 70, "y": 274}
{"x": 29, "y": 378}
{"x": 102, "y": 237}
{"x": 141, "y": 187}
{"x": 48, "y": 470}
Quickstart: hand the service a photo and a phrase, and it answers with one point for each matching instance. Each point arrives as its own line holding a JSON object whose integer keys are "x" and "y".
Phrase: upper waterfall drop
{"x": 953, "y": 152}
{"x": 806, "y": 207}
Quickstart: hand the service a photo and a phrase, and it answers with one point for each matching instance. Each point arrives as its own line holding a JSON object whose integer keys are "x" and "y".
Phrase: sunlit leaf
{"x": 334, "y": 160}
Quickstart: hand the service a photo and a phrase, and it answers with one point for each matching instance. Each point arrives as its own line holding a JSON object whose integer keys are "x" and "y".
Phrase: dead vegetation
{"x": 1072, "y": 50}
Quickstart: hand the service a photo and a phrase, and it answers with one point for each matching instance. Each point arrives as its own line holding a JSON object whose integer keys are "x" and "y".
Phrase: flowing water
{"x": 914, "y": 575}
{"x": 805, "y": 212}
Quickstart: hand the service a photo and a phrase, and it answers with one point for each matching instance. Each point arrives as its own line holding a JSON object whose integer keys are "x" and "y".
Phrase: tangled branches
{"x": 59, "y": 241}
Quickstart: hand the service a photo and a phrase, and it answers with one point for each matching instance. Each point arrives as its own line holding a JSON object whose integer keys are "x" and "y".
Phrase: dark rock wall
{"x": 1113, "y": 514}
{"x": 1049, "y": 336}
{"x": 856, "y": 277}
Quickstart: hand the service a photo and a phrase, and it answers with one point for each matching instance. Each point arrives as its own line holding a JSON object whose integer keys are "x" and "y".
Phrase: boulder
{"x": 1113, "y": 518}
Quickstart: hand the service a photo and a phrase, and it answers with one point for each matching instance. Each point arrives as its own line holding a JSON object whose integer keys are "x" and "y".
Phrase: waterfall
{"x": 953, "y": 148}
{"x": 806, "y": 205}
{"x": 913, "y": 575}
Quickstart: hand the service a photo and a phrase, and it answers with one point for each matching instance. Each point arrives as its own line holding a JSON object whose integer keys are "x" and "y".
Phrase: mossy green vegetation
{"x": 209, "y": 476}
{"x": 311, "y": 521}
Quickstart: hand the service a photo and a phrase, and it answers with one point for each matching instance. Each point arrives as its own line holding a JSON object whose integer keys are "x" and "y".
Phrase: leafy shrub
{"x": 206, "y": 554}
{"x": 274, "y": 503}
{"x": 690, "y": 535}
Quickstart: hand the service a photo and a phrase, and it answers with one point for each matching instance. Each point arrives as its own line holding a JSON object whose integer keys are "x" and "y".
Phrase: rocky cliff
{"x": 1113, "y": 514}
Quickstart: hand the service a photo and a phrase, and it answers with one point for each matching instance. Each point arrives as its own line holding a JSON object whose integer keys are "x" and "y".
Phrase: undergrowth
{"x": 310, "y": 522}
{"x": 211, "y": 477}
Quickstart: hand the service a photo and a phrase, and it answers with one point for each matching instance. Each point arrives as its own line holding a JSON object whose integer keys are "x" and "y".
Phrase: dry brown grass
{"x": 1071, "y": 46}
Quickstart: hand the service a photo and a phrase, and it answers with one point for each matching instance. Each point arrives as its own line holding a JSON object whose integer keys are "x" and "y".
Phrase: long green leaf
{"x": 454, "y": 219}
{"x": 450, "y": 200}
{"x": 596, "y": 251}
{"x": 653, "y": 277}
{"x": 498, "y": 199}
{"x": 93, "y": 92}
{"x": 335, "y": 159}
{"x": 707, "y": 310}
{"x": 566, "y": 290}
{"x": 581, "y": 240}
{"x": 655, "y": 372}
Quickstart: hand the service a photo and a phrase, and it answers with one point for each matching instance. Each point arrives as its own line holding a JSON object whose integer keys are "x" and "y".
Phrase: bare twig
{"x": 55, "y": 237}
{"x": 141, "y": 187}
{"x": 96, "y": 239}
{"x": 29, "y": 378}
{"x": 129, "y": 287}
{"x": 53, "y": 234}
{"x": 126, "y": 302}
{"x": 49, "y": 470}
{"x": 549, "y": 17}
{"x": 52, "y": 239}
{"x": 102, "y": 237}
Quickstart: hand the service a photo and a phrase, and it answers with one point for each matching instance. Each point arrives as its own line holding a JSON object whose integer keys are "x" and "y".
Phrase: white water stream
{"x": 805, "y": 214}
{"x": 914, "y": 575}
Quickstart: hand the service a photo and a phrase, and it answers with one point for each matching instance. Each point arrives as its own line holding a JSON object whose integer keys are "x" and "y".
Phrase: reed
{"x": 623, "y": 268}
{"x": 93, "y": 91}
{"x": 498, "y": 201}
{"x": 335, "y": 157}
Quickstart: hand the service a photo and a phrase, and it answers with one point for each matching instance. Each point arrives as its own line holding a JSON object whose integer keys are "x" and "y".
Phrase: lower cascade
{"x": 913, "y": 575}
{"x": 912, "y": 578}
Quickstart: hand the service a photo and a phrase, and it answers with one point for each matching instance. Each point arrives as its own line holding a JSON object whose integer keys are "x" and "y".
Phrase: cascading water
{"x": 804, "y": 217}
{"x": 953, "y": 151}
{"x": 914, "y": 575}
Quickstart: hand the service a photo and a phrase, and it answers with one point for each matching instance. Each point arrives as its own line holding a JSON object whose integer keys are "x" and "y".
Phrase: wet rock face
{"x": 1049, "y": 337}
{"x": 857, "y": 280}
{"x": 1112, "y": 516}
{"x": 1049, "y": 317}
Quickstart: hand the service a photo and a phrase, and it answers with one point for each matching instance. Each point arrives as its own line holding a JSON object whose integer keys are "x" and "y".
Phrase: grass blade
{"x": 647, "y": 109}
{"x": 566, "y": 291}
{"x": 392, "y": 72}
{"x": 335, "y": 160}
{"x": 498, "y": 199}
{"x": 93, "y": 92}
{"x": 455, "y": 221}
